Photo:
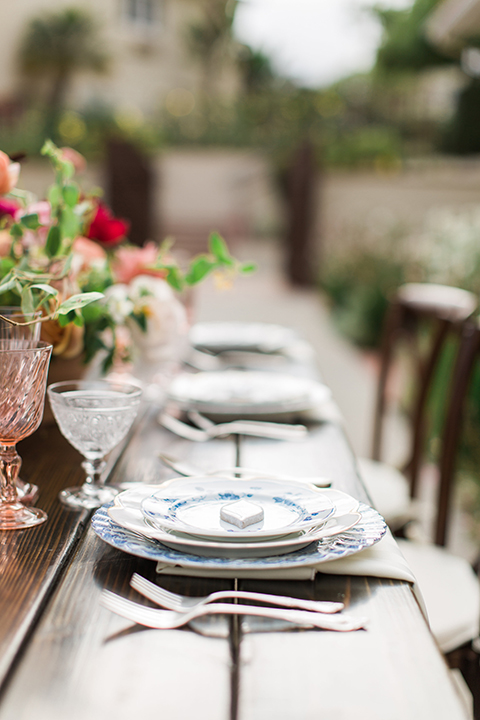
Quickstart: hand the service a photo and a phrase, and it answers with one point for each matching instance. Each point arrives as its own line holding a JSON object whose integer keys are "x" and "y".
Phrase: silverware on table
{"x": 181, "y": 603}
{"x": 168, "y": 619}
{"x": 187, "y": 470}
{"x": 278, "y": 431}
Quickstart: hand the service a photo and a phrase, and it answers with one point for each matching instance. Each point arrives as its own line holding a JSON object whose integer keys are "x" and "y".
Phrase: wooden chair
{"x": 445, "y": 309}
{"x": 449, "y": 585}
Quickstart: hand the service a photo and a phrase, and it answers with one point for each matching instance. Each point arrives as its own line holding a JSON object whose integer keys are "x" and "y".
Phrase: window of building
{"x": 141, "y": 13}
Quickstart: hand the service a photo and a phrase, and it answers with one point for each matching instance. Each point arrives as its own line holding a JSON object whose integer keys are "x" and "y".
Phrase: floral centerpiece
{"x": 70, "y": 258}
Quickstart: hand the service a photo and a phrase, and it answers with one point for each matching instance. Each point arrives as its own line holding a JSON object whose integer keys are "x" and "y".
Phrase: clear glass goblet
{"x": 94, "y": 416}
{"x": 21, "y": 335}
{"x": 23, "y": 379}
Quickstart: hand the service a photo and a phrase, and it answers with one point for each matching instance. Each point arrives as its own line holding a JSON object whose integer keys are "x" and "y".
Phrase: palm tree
{"x": 56, "y": 45}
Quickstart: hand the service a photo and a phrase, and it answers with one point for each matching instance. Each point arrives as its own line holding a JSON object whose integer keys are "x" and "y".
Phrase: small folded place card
{"x": 242, "y": 513}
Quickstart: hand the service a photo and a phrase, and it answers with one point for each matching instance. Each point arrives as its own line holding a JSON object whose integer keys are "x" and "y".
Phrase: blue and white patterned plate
{"x": 193, "y": 506}
{"x": 369, "y": 531}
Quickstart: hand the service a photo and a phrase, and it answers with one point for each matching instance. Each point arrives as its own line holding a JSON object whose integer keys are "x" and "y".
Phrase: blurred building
{"x": 453, "y": 22}
{"x": 147, "y": 45}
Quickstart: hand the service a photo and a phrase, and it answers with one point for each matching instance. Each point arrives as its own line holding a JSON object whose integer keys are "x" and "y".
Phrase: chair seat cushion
{"x": 451, "y": 592}
{"x": 389, "y": 491}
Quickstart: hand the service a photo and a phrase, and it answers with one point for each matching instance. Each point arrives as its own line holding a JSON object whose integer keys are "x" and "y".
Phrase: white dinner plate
{"x": 134, "y": 520}
{"x": 216, "y": 337}
{"x": 368, "y": 531}
{"x": 195, "y": 506}
{"x": 246, "y": 393}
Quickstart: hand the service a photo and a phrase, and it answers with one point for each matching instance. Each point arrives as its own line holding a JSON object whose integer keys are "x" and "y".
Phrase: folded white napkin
{"x": 381, "y": 560}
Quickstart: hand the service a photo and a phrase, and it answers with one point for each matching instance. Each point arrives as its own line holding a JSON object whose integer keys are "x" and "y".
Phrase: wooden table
{"x": 64, "y": 656}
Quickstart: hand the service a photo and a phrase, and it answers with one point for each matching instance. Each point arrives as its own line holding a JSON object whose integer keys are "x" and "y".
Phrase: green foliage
{"x": 358, "y": 287}
{"x": 405, "y": 46}
{"x": 367, "y": 146}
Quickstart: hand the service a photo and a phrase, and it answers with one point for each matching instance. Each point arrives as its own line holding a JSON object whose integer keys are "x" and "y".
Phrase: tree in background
{"x": 211, "y": 38}
{"x": 406, "y": 50}
{"x": 55, "y": 46}
{"x": 405, "y": 46}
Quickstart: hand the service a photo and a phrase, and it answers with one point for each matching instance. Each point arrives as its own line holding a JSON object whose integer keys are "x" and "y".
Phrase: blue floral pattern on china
{"x": 370, "y": 529}
{"x": 193, "y": 505}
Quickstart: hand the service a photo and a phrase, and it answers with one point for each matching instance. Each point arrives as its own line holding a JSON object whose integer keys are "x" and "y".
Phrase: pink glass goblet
{"x": 22, "y": 335}
{"x": 23, "y": 380}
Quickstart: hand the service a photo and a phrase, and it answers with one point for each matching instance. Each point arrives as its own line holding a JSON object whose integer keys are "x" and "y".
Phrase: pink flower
{"x": 9, "y": 172}
{"x": 42, "y": 209}
{"x": 106, "y": 229}
{"x": 77, "y": 160}
{"x": 8, "y": 208}
{"x": 131, "y": 261}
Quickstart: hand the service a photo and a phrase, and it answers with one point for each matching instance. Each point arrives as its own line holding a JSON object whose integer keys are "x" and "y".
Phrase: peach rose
{"x": 9, "y": 172}
{"x": 89, "y": 251}
{"x": 132, "y": 261}
{"x": 5, "y": 243}
{"x": 73, "y": 156}
{"x": 67, "y": 341}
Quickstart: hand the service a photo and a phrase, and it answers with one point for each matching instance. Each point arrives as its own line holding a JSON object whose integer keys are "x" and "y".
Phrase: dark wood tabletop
{"x": 64, "y": 656}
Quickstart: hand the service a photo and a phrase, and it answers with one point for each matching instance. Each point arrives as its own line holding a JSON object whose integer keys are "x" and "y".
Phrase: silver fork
{"x": 277, "y": 431}
{"x": 180, "y": 603}
{"x": 186, "y": 469}
{"x": 168, "y": 619}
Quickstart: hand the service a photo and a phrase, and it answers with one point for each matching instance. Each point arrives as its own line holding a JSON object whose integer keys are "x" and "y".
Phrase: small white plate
{"x": 249, "y": 392}
{"x": 133, "y": 520}
{"x": 193, "y": 506}
{"x": 218, "y": 337}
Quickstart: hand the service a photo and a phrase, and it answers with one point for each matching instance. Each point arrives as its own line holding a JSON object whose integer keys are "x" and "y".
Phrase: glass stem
{"x": 94, "y": 469}
{"x": 10, "y": 463}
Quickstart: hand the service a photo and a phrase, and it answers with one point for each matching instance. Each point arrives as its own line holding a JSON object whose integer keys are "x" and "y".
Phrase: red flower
{"x": 106, "y": 229}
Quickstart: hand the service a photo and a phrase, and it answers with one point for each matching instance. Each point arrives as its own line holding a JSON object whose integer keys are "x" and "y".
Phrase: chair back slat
{"x": 447, "y": 310}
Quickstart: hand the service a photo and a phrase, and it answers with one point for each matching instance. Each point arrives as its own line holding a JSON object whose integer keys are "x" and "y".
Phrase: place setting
{"x": 239, "y": 344}
{"x": 203, "y": 405}
{"x": 235, "y": 524}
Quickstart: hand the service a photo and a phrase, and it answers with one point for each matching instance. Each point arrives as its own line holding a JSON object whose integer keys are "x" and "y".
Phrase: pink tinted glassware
{"x": 22, "y": 335}
{"x": 23, "y": 380}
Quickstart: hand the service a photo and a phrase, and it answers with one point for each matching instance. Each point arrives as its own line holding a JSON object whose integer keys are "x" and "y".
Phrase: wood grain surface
{"x": 80, "y": 661}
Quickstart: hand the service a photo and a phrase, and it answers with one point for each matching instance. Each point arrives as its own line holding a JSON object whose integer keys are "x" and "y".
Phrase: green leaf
{"x": 141, "y": 320}
{"x": 78, "y": 320}
{"x": 54, "y": 240}
{"x": 69, "y": 223}
{"x": 78, "y": 301}
{"x": 218, "y": 248}
{"x": 174, "y": 277}
{"x": 8, "y": 283}
{"x": 199, "y": 268}
{"x": 54, "y": 195}
{"x": 65, "y": 319}
{"x": 27, "y": 304}
{"x": 30, "y": 221}
{"x": 48, "y": 289}
{"x": 71, "y": 194}
{"x": 248, "y": 267}
{"x": 16, "y": 231}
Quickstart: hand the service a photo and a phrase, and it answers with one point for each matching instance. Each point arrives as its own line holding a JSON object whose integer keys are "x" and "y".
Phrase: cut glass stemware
{"x": 23, "y": 379}
{"x": 21, "y": 335}
{"x": 94, "y": 416}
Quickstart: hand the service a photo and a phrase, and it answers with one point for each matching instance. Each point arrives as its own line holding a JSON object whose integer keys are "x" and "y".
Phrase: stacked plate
{"x": 232, "y": 523}
{"x": 218, "y": 337}
{"x": 238, "y": 393}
